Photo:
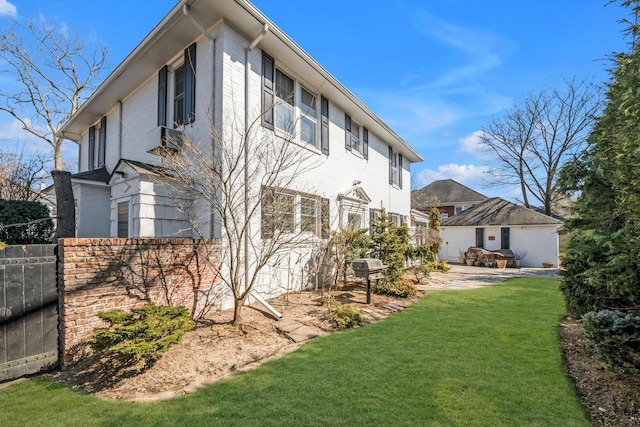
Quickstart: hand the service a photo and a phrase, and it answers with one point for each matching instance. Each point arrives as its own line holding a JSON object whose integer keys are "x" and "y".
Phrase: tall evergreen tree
{"x": 602, "y": 258}
{"x": 389, "y": 243}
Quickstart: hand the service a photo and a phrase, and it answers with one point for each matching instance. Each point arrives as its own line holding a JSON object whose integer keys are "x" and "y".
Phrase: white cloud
{"x": 473, "y": 176}
{"x": 15, "y": 139}
{"x": 472, "y": 145}
{"x": 482, "y": 51}
{"x": 7, "y": 8}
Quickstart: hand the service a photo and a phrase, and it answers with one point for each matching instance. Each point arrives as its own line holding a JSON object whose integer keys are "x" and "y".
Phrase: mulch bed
{"x": 609, "y": 398}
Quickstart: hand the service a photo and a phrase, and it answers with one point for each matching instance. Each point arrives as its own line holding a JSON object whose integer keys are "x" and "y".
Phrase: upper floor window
{"x": 308, "y": 119}
{"x": 184, "y": 90}
{"x": 395, "y": 168}
{"x": 96, "y": 158}
{"x": 285, "y": 115}
{"x": 292, "y": 109}
{"x": 356, "y": 137}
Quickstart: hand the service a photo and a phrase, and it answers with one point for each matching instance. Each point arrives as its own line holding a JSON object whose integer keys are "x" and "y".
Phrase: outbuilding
{"x": 499, "y": 224}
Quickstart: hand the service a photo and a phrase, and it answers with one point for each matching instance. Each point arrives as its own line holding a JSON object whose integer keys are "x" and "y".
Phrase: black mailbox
{"x": 370, "y": 269}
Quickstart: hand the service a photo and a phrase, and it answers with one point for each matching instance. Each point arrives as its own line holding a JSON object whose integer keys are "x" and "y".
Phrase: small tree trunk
{"x": 238, "y": 303}
{"x": 65, "y": 204}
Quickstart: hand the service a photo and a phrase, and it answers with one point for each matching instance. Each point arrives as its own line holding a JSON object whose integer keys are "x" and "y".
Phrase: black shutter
{"x": 268, "y": 83}
{"x": 347, "y": 128}
{"x": 324, "y": 125}
{"x": 365, "y": 143}
{"x": 325, "y": 228}
{"x": 267, "y": 222}
{"x": 91, "y": 159}
{"x": 400, "y": 170}
{"x": 190, "y": 84}
{"x": 102, "y": 141}
{"x": 162, "y": 96}
{"x": 390, "y": 165}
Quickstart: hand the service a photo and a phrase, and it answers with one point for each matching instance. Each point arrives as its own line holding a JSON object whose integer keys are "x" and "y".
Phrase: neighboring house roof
{"x": 497, "y": 211}
{"x": 447, "y": 191}
{"x": 177, "y": 30}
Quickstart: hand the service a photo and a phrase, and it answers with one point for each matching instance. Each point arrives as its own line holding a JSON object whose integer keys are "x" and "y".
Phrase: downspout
{"x": 203, "y": 30}
{"x": 119, "y": 130}
{"x": 247, "y": 70}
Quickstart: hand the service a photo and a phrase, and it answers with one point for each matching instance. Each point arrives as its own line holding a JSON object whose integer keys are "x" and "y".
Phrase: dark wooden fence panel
{"x": 28, "y": 310}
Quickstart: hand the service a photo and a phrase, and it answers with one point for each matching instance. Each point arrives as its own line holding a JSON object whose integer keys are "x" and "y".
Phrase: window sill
{"x": 289, "y": 138}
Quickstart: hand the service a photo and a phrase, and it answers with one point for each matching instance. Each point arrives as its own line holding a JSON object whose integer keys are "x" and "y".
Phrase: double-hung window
{"x": 184, "y": 90}
{"x": 289, "y": 212}
{"x": 99, "y": 132}
{"x": 309, "y": 214}
{"x": 285, "y": 103}
{"x": 395, "y": 168}
{"x": 308, "y": 116}
{"x": 292, "y": 109}
{"x": 356, "y": 137}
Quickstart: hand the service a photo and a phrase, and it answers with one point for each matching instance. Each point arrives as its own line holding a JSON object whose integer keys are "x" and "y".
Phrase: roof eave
{"x": 113, "y": 89}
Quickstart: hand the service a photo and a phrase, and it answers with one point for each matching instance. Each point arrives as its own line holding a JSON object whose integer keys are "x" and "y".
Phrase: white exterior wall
{"x": 539, "y": 241}
{"x": 336, "y": 172}
{"x": 150, "y": 210}
{"x": 92, "y": 210}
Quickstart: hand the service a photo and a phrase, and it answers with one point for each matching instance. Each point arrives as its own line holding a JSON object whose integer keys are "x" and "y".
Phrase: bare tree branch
{"x": 54, "y": 73}
{"x": 211, "y": 174}
{"x": 532, "y": 140}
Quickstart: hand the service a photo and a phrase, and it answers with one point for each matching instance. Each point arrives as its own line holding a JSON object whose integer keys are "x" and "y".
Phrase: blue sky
{"x": 436, "y": 71}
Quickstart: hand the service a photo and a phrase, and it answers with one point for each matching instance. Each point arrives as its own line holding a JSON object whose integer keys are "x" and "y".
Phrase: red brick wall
{"x": 97, "y": 275}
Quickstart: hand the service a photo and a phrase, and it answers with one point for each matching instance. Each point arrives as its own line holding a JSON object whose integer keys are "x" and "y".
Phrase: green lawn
{"x": 484, "y": 357}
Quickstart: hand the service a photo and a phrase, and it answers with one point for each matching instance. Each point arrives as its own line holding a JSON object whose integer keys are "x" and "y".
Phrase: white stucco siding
{"x": 539, "y": 241}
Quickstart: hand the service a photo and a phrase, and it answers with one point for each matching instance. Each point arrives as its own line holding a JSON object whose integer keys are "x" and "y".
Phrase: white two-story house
{"x": 222, "y": 62}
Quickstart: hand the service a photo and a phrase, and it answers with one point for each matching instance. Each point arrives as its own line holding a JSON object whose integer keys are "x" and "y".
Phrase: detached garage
{"x": 498, "y": 224}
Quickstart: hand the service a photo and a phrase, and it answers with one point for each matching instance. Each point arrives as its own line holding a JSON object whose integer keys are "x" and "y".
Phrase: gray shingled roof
{"x": 99, "y": 175}
{"x": 447, "y": 191}
{"x": 497, "y": 211}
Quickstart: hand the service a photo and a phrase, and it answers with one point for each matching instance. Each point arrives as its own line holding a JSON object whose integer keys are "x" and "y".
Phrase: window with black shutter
{"x": 102, "y": 141}
{"x": 162, "y": 96}
{"x": 365, "y": 143}
{"x": 324, "y": 131}
{"x": 190, "y": 84}
{"x": 91, "y": 159}
{"x": 268, "y": 84}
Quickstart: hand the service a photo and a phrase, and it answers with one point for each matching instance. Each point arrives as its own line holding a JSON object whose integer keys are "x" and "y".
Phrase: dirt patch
{"x": 610, "y": 398}
{"x": 215, "y": 349}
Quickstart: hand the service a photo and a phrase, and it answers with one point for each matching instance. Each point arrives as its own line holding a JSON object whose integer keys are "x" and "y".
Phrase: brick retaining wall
{"x": 97, "y": 275}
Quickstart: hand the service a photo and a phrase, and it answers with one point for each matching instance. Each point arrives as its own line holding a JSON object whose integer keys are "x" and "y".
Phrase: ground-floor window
{"x": 287, "y": 212}
{"x": 123, "y": 219}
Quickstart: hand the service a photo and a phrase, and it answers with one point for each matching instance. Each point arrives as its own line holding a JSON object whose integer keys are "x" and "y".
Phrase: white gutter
{"x": 247, "y": 70}
{"x": 203, "y": 30}
{"x": 119, "y": 130}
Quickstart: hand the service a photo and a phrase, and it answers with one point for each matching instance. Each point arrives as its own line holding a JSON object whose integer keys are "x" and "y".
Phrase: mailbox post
{"x": 370, "y": 269}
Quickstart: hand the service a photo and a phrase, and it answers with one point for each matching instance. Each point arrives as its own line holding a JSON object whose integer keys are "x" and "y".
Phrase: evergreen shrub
{"x": 614, "y": 337}
{"x": 39, "y": 228}
{"x": 143, "y": 333}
